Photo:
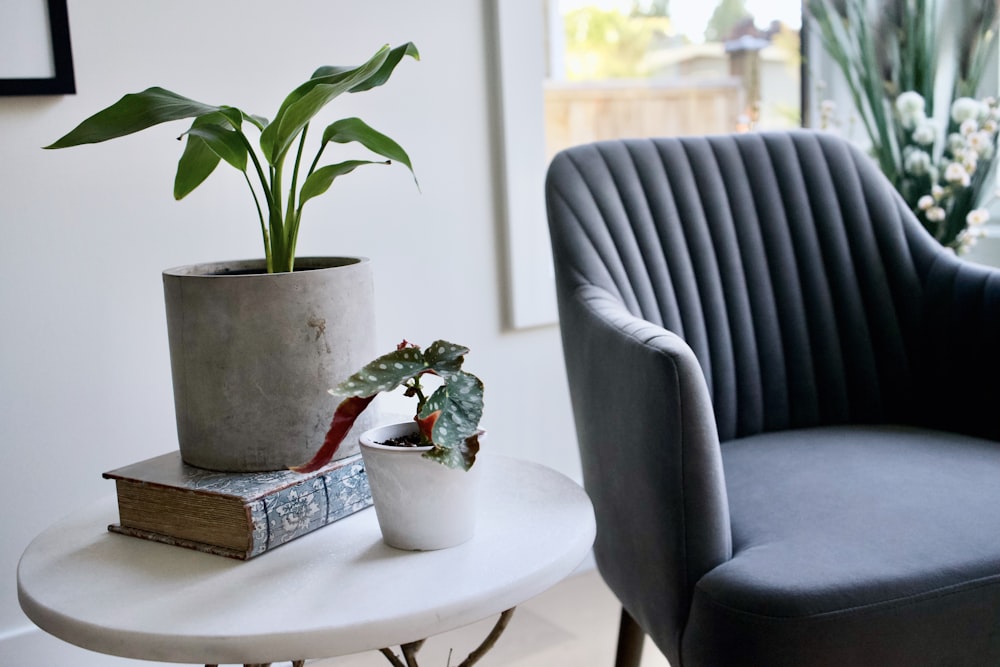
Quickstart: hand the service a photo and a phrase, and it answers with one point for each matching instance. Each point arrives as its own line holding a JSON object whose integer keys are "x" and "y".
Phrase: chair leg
{"x": 630, "y": 640}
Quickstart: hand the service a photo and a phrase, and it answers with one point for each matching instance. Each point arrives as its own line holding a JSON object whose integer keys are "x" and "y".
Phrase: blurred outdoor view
{"x": 633, "y": 68}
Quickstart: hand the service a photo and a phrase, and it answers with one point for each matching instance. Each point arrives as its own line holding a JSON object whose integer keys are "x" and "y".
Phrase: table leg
{"x": 295, "y": 663}
{"x": 410, "y": 650}
{"x": 391, "y": 657}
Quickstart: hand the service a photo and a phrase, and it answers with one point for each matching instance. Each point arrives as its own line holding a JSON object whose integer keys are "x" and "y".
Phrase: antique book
{"x": 239, "y": 515}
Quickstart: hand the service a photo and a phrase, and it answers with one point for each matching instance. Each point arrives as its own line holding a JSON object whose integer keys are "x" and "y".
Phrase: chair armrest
{"x": 650, "y": 453}
{"x": 960, "y": 359}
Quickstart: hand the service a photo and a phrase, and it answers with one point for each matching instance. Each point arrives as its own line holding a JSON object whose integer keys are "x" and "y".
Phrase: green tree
{"x": 606, "y": 44}
{"x": 650, "y": 8}
{"x": 727, "y": 15}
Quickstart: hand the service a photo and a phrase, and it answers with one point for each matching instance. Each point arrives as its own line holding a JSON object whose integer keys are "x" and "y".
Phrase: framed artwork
{"x": 35, "y": 53}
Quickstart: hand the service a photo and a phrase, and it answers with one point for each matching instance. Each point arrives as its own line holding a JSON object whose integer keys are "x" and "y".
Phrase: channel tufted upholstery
{"x": 786, "y": 398}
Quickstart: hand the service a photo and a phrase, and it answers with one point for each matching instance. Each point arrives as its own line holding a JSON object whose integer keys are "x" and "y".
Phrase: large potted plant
{"x": 421, "y": 472}
{"x": 913, "y": 78}
{"x": 254, "y": 343}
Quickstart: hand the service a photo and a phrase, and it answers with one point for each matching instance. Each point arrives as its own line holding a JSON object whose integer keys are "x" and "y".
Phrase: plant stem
{"x": 315, "y": 162}
{"x": 297, "y": 217}
{"x": 260, "y": 170}
{"x": 414, "y": 389}
{"x": 260, "y": 216}
{"x": 295, "y": 171}
{"x": 278, "y": 240}
{"x": 291, "y": 216}
{"x": 268, "y": 197}
{"x": 292, "y": 223}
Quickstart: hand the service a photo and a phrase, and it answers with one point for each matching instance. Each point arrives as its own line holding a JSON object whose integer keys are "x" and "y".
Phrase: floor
{"x": 575, "y": 623}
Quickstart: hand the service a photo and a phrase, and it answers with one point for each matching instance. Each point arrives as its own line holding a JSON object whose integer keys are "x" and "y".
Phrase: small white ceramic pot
{"x": 421, "y": 504}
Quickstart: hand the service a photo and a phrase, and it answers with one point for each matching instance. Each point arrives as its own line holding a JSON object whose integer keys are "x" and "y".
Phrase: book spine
{"x": 281, "y": 517}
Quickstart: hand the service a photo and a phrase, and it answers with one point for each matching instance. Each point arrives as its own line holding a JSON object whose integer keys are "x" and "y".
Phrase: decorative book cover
{"x": 240, "y": 515}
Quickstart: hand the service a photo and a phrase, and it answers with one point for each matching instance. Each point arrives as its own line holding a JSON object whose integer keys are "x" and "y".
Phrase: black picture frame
{"x": 63, "y": 83}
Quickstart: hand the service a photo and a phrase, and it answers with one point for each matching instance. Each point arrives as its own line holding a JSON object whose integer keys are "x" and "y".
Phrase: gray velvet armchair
{"x": 787, "y": 401}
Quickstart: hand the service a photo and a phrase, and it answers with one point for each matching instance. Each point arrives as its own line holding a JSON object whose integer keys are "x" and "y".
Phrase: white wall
{"x": 85, "y": 378}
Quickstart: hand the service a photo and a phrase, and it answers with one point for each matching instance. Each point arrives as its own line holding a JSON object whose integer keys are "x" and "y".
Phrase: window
{"x": 642, "y": 68}
{"x": 573, "y": 71}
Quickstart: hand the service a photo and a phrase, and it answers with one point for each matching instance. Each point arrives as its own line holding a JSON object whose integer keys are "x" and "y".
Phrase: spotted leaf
{"x": 460, "y": 404}
{"x": 462, "y": 456}
{"x": 445, "y": 358}
{"x": 385, "y": 373}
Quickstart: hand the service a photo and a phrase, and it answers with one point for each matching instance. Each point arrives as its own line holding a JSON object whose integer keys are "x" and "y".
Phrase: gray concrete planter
{"x": 253, "y": 354}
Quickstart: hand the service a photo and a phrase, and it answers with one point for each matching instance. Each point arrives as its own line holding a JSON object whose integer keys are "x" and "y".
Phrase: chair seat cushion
{"x": 855, "y": 545}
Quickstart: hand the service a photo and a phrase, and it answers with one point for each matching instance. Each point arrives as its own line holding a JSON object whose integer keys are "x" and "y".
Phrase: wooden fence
{"x": 579, "y": 113}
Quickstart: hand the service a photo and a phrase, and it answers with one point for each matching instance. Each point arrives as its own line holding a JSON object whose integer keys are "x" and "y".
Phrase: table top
{"x": 335, "y": 591}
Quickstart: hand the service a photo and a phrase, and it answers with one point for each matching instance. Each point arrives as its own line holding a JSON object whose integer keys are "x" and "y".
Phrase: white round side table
{"x": 335, "y": 591}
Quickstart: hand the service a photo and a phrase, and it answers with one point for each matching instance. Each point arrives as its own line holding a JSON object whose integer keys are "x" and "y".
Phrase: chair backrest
{"x": 786, "y": 262}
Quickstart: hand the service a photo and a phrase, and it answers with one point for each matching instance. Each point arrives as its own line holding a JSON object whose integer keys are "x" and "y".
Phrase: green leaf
{"x": 306, "y": 101}
{"x": 354, "y": 129}
{"x": 385, "y": 373}
{"x": 330, "y": 70}
{"x": 461, "y": 457}
{"x": 226, "y": 143}
{"x": 209, "y": 139}
{"x": 196, "y": 164}
{"x": 237, "y": 116}
{"x": 460, "y": 403}
{"x": 445, "y": 358}
{"x": 133, "y": 113}
{"x": 385, "y": 71}
{"x": 379, "y": 77}
{"x": 320, "y": 180}
{"x": 233, "y": 115}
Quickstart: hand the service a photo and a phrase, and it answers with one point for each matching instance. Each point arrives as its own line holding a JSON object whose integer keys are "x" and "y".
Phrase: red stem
{"x": 343, "y": 419}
